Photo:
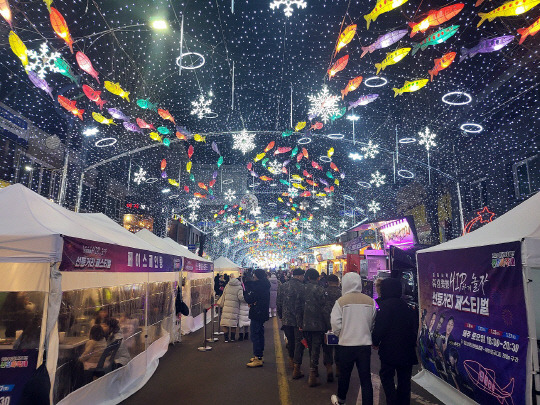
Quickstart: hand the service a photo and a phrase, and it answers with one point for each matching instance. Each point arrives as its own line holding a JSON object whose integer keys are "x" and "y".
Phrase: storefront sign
{"x": 196, "y": 266}
{"x": 398, "y": 233}
{"x": 85, "y": 255}
{"x": 474, "y": 330}
{"x": 16, "y": 369}
{"x": 366, "y": 238}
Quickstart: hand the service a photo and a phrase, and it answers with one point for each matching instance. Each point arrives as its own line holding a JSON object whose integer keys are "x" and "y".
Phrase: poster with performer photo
{"x": 474, "y": 333}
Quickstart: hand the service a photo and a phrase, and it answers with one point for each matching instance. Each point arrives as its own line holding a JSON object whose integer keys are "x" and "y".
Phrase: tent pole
{"x": 460, "y": 208}
{"x": 79, "y": 193}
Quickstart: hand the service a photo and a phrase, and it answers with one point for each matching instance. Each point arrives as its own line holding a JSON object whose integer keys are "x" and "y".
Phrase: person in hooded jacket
{"x": 230, "y": 301}
{"x": 395, "y": 331}
{"x": 274, "y": 283}
{"x": 332, "y": 294}
{"x": 257, "y": 295}
{"x": 352, "y": 321}
{"x": 243, "y": 320}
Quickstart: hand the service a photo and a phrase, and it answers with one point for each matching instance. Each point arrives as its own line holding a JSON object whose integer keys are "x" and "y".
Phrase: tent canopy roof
{"x": 168, "y": 245}
{"x": 223, "y": 263}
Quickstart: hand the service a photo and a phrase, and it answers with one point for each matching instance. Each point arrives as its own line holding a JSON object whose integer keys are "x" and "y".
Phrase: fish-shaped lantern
{"x": 202, "y": 185}
{"x": 530, "y": 30}
{"x": 351, "y": 86}
{"x": 18, "y": 47}
{"x": 282, "y": 149}
{"x": 143, "y": 124}
{"x": 174, "y": 183}
{"x": 334, "y": 167}
{"x": 199, "y": 195}
{"x": 101, "y": 119}
{"x": 338, "y": 114}
{"x": 299, "y": 157}
{"x": 199, "y": 138}
{"x": 269, "y": 146}
{"x": 86, "y": 65}
{"x": 287, "y": 133}
{"x": 163, "y": 130}
{"x": 260, "y": 156}
{"x": 119, "y": 115}
{"x": 409, "y": 87}
{"x": 300, "y": 126}
{"x": 384, "y": 41}
{"x": 219, "y": 162}
{"x": 188, "y": 167}
{"x": 60, "y": 27}
{"x": 190, "y": 151}
{"x": 65, "y": 70}
{"x": 116, "y": 89}
{"x": 508, "y": 9}
{"x": 486, "y": 46}
{"x": 330, "y": 153}
{"x": 266, "y": 178}
{"x": 294, "y": 151}
{"x": 40, "y": 83}
{"x": 181, "y": 136}
{"x": 5, "y": 11}
{"x": 163, "y": 164}
{"x": 315, "y": 165}
{"x": 382, "y": 6}
{"x": 346, "y": 36}
{"x": 306, "y": 173}
{"x": 186, "y": 189}
{"x": 166, "y": 115}
{"x": 442, "y": 63}
{"x": 146, "y": 104}
{"x": 131, "y": 127}
{"x": 338, "y": 66}
{"x": 212, "y": 182}
{"x": 215, "y": 148}
{"x": 93, "y": 95}
{"x": 364, "y": 100}
{"x": 71, "y": 106}
{"x": 305, "y": 153}
{"x": 435, "y": 18}
{"x": 436, "y": 38}
{"x": 317, "y": 125}
{"x": 392, "y": 58}
{"x": 155, "y": 136}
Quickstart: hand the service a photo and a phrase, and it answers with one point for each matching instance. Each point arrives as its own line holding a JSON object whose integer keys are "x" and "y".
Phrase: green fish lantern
{"x": 339, "y": 114}
{"x": 65, "y": 70}
{"x": 294, "y": 152}
{"x": 192, "y": 177}
{"x": 298, "y": 166}
{"x": 163, "y": 130}
{"x": 436, "y": 38}
{"x": 284, "y": 134}
{"x": 146, "y": 104}
{"x": 167, "y": 142}
{"x": 329, "y": 175}
{"x": 220, "y": 162}
{"x": 284, "y": 182}
{"x": 265, "y": 161}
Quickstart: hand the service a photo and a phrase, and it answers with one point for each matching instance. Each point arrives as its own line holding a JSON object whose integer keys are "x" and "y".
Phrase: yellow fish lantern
{"x": 336, "y": 182}
{"x": 188, "y": 167}
{"x": 199, "y": 138}
{"x": 409, "y": 87}
{"x": 101, "y": 119}
{"x": 116, "y": 89}
{"x": 280, "y": 199}
{"x": 155, "y": 136}
{"x": 330, "y": 153}
{"x": 18, "y": 48}
{"x": 5, "y": 11}
{"x": 300, "y": 126}
{"x": 346, "y": 36}
{"x": 392, "y": 58}
{"x": 382, "y": 6}
{"x": 508, "y": 9}
{"x": 259, "y": 156}
{"x": 174, "y": 183}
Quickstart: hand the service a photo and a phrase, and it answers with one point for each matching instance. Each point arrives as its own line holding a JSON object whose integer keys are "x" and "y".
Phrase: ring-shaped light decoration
{"x": 336, "y": 136}
{"x": 295, "y": 181}
{"x": 471, "y": 128}
{"x": 348, "y": 197}
{"x": 254, "y": 185}
{"x": 406, "y": 174}
{"x": 407, "y": 140}
{"x": 364, "y": 184}
{"x": 273, "y": 184}
{"x": 304, "y": 141}
{"x": 192, "y": 66}
{"x": 103, "y": 143}
{"x": 173, "y": 196}
{"x": 384, "y": 81}
{"x": 151, "y": 180}
{"x": 211, "y": 115}
{"x": 325, "y": 159}
{"x": 459, "y": 94}
{"x": 272, "y": 204}
{"x": 228, "y": 181}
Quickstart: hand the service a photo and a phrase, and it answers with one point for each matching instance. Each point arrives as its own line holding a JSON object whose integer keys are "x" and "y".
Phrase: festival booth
{"x": 479, "y": 299}
{"x": 329, "y": 259}
{"x": 226, "y": 266}
{"x": 61, "y": 275}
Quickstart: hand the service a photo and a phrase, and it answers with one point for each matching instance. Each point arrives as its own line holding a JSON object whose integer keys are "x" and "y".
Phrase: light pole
{"x": 353, "y": 117}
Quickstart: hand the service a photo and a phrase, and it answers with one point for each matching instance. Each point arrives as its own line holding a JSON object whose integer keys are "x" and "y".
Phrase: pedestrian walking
{"x": 286, "y": 310}
{"x": 332, "y": 293}
{"x": 394, "y": 333}
{"x": 229, "y": 302}
{"x": 257, "y": 295}
{"x": 352, "y": 321}
{"x": 274, "y": 283}
{"x": 310, "y": 307}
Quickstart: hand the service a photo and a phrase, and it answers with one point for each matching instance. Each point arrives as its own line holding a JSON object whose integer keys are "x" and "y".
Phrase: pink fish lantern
{"x": 86, "y": 65}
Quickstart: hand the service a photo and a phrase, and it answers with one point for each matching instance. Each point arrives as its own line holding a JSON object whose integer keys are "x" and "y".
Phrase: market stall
{"x": 479, "y": 299}
{"x": 225, "y": 265}
{"x": 329, "y": 259}
{"x": 65, "y": 278}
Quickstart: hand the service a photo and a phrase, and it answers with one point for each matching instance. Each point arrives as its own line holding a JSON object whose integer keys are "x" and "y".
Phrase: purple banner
{"x": 16, "y": 368}
{"x": 474, "y": 331}
{"x": 195, "y": 266}
{"x": 85, "y": 255}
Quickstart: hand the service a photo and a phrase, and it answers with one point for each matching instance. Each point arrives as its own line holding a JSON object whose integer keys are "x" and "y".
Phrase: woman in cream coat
{"x": 233, "y": 295}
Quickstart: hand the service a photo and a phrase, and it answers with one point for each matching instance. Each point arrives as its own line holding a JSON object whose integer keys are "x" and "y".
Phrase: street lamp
{"x": 159, "y": 24}
{"x": 353, "y": 117}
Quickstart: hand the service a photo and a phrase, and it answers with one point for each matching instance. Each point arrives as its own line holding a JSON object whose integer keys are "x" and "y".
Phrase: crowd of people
{"x": 320, "y": 315}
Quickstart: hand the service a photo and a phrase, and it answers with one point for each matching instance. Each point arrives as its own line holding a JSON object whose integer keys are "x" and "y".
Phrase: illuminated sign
{"x": 397, "y": 233}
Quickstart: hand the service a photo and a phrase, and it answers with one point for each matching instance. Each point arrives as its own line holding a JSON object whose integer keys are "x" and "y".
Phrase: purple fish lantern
{"x": 286, "y": 163}
{"x": 132, "y": 127}
{"x": 323, "y": 182}
{"x": 384, "y": 41}
{"x": 163, "y": 174}
{"x": 119, "y": 115}
{"x": 486, "y": 46}
{"x": 40, "y": 83}
{"x": 214, "y": 175}
{"x": 215, "y": 148}
{"x": 364, "y": 100}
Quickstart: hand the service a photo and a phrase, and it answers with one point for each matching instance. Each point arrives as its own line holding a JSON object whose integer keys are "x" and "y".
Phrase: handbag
{"x": 330, "y": 339}
{"x": 221, "y": 301}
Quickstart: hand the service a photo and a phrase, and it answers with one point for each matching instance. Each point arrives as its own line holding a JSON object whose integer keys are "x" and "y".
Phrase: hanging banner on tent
{"x": 474, "y": 332}
{"x": 195, "y": 266}
{"x": 16, "y": 369}
{"x": 86, "y": 255}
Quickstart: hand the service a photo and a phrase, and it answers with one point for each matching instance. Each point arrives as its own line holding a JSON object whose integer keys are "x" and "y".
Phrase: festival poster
{"x": 474, "y": 333}
{"x": 16, "y": 369}
{"x": 86, "y": 255}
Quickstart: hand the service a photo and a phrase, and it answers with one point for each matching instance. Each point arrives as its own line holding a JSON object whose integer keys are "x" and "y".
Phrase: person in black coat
{"x": 394, "y": 333}
{"x": 257, "y": 295}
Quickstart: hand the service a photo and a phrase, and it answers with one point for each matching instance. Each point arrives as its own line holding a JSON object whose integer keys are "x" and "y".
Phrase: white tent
{"x": 32, "y": 235}
{"x": 521, "y": 224}
{"x": 225, "y": 265}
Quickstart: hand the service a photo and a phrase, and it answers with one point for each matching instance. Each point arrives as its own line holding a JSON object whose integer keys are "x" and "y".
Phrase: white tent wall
{"x": 224, "y": 265}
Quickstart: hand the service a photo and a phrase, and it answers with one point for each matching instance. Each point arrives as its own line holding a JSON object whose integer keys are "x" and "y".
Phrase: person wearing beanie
{"x": 394, "y": 333}
{"x": 257, "y": 295}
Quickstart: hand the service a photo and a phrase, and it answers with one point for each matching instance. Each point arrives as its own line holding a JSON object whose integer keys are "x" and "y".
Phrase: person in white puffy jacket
{"x": 274, "y": 284}
{"x": 233, "y": 295}
{"x": 243, "y": 321}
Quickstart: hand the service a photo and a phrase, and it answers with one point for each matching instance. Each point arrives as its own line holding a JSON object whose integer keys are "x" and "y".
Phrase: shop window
{"x": 479, "y": 195}
{"x": 526, "y": 177}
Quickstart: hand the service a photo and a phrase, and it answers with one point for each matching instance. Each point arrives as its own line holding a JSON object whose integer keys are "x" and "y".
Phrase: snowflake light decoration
{"x": 304, "y": 205}
{"x": 427, "y": 139}
{"x": 261, "y": 235}
{"x": 293, "y": 192}
{"x": 370, "y": 150}
{"x": 323, "y": 105}
{"x": 226, "y": 241}
{"x": 230, "y": 219}
{"x": 216, "y": 232}
{"x": 194, "y": 204}
{"x": 201, "y": 107}
{"x": 139, "y": 176}
{"x": 324, "y": 223}
{"x": 306, "y": 226}
{"x": 240, "y": 234}
{"x": 275, "y": 167}
{"x": 255, "y": 211}
{"x": 377, "y": 179}
{"x": 193, "y": 216}
{"x": 323, "y": 237}
{"x": 288, "y": 3}
{"x": 272, "y": 224}
{"x": 342, "y": 223}
{"x": 244, "y": 141}
{"x": 374, "y": 207}
{"x": 230, "y": 195}
{"x": 43, "y": 62}
{"x": 325, "y": 202}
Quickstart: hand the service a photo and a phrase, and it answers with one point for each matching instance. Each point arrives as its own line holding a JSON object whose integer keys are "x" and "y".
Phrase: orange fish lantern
{"x": 351, "y": 86}
{"x": 5, "y": 11}
{"x": 306, "y": 174}
{"x": 306, "y": 194}
{"x": 442, "y": 63}
{"x": 199, "y": 195}
{"x": 305, "y": 153}
{"x": 60, "y": 27}
{"x": 346, "y": 36}
{"x": 315, "y": 165}
{"x": 338, "y": 66}
{"x": 317, "y": 125}
{"x": 265, "y": 178}
{"x": 143, "y": 124}
{"x": 436, "y": 17}
{"x": 71, "y": 106}
{"x": 530, "y": 30}
{"x": 163, "y": 164}
{"x": 312, "y": 183}
{"x": 190, "y": 151}
{"x": 181, "y": 136}
{"x": 166, "y": 115}
{"x": 270, "y": 146}
{"x": 299, "y": 157}
{"x": 334, "y": 167}
{"x": 203, "y": 186}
